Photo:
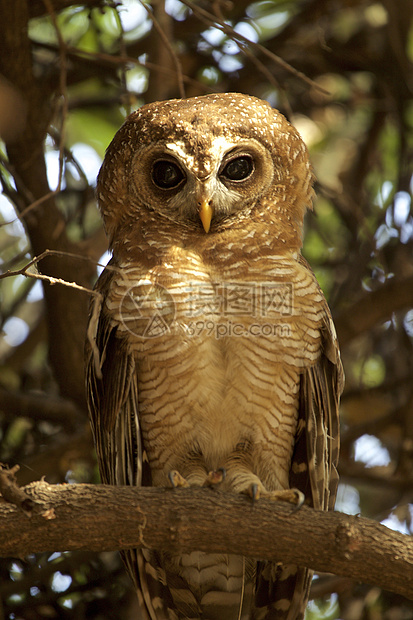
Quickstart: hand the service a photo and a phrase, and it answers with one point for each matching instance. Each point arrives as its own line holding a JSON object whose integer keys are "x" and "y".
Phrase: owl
{"x": 212, "y": 357}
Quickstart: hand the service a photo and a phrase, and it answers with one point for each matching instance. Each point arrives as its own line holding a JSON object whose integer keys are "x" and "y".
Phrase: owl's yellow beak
{"x": 205, "y": 213}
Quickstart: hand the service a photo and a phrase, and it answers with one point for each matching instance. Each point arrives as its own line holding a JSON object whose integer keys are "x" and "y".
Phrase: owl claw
{"x": 254, "y": 492}
{"x": 215, "y": 477}
{"x": 299, "y": 499}
{"x": 293, "y": 496}
{"x": 177, "y": 480}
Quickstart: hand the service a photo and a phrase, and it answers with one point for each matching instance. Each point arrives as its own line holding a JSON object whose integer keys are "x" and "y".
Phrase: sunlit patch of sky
{"x": 103, "y": 260}
{"x": 17, "y": 282}
{"x": 137, "y": 80}
{"x": 370, "y": 451}
{"x": 53, "y": 169}
{"x": 83, "y": 153}
{"x": 213, "y": 36}
{"x": 393, "y": 523}
{"x": 230, "y": 47}
{"x": 271, "y": 96}
{"x": 134, "y": 19}
{"x": 402, "y": 215}
{"x": 309, "y": 130}
{"x": 383, "y": 235}
{"x": 14, "y": 227}
{"x": 60, "y": 583}
{"x": 330, "y": 603}
{"x": 36, "y": 292}
{"x": 34, "y": 591}
{"x": 406, "y": 232}
{"x": 15, "y": 331}
{"x": 90, "y": 160}
{"x": 228, "y": 64}
{"x": 269, "y": 21}
{"x": 7, "y": 176}
{"x": 211, "y": 74}
{"x": 68, "y": 603}
{"x": 408, "y": 323}
{"x": 402, "y": 204}
{"x": 131, "y": 14}
{"x": 348, "y": 499}
{"x": 16, "y": 572}
{"x": 276, "y": 20}
{"x": 16, "y": 598}
{"x": 398, "y": 220}
{"x": 384, "y": 194}
{"x": 247, "y": 31}
{"x": 176, "y": 9}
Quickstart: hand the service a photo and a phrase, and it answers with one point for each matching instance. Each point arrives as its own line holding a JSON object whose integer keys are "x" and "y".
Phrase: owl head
{"x": 204, "y": 165}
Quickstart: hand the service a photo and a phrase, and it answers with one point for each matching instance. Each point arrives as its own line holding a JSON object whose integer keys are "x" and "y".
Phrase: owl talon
{"x": 293, "y": 496}
{"x": 254, "y": 492}
{"x": 215, "y": 477}
{"x": 299, "y": 499}
{"x": 177, "y": 480}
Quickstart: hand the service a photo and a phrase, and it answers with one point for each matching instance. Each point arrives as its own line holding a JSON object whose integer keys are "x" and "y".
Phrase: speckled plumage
{"x": 212, "y": 347}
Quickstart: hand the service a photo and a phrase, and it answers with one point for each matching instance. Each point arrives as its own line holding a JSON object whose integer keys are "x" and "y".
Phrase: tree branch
{"x": 40, "y": 407}
{"x": 101, "y": 518}
{"x": 374, "y": 308}
{"x": 37, "y": 7}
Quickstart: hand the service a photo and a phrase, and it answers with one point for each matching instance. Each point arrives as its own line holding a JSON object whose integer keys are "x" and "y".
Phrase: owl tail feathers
{"x": 282, "y": 592}
{"x": 153, "y": 594}
{"x": 210, "y": 586}
{"x": 192, "y": 586}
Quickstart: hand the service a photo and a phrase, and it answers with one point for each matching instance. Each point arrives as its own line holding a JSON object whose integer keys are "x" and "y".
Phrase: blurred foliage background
{"x": 342, "y": 72}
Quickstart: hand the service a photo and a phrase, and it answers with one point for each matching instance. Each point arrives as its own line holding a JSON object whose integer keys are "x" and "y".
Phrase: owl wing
{"x": 112, "y": 394}
{"x": 283, "y": 590}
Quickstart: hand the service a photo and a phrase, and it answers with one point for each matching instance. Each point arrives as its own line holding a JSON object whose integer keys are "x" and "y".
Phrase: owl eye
{"x": 238, "y": 169}
{"x": 166, "y": 174}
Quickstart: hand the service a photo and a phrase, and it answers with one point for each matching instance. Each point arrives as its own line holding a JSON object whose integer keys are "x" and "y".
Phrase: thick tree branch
{"x": 37, "y": 8}
{"x": 374, "y": 308}
{"x": 69, "y": 517}
{"x": 44, "y": 222}
{"x": 40, "y": 407}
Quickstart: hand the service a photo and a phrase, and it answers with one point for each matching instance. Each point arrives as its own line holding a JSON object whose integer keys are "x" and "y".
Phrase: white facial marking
{"x": 220, "y": 146}
{"x": 179, "y": 149}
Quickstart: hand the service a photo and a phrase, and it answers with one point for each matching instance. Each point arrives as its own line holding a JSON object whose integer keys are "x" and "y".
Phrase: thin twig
{"x": 123, "y": 69}
{"x": 119, "y": 60}
{"x": 176, "y": 61}
{"x": 267, "y": 73}
{"x": 220, "y": 24}
{"x": 24, "y": 271}
{"x": 62, "y": 87}
{"x": 11, "y": 492}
